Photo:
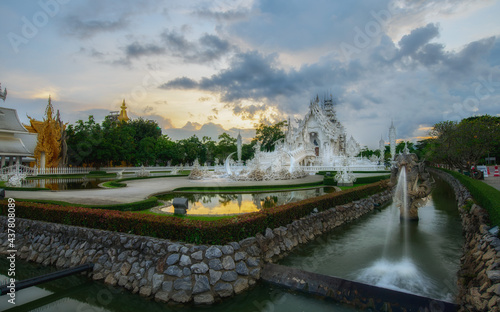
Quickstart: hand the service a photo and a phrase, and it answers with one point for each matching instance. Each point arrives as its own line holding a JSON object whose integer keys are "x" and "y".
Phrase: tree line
{"x": 455, "y": 144}
{"x": 140, "y": 142}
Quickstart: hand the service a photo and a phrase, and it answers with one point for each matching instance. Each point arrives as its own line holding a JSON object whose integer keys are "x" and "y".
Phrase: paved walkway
{"x": 493, "y": 181}
{"x": 137, "y": 190}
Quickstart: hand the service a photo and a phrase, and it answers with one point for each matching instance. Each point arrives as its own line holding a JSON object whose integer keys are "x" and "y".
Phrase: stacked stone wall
{"x": 479, "y": 275}
{"x": 174, "y": 271}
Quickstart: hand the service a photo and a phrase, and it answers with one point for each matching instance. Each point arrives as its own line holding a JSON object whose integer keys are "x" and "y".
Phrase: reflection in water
{"x": 66, "y": 183}
{"x": 224, "y": 203}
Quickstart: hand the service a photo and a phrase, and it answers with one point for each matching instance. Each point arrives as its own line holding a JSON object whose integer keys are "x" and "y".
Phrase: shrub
{"x": 329, "y": 180}
{"x": 207, "y": 232}
{"x": 97, "y": 172}
{"x": 114, "y": 184}
{"x": 367, "y": 180}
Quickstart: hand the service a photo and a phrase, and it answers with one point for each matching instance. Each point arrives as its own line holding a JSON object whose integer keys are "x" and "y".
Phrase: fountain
{"x": 345, "y": 177}
{"x": 413, "y": 184}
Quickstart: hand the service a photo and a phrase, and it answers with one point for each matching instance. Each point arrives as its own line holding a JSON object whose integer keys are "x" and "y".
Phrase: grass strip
{"x": 113, "y": 184}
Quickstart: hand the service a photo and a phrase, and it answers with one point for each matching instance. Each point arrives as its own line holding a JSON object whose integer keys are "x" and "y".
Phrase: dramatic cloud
{"x": 206, "y": 49}
{"x": 136, "y": 49}
{"x": 360, "y": 86}
{"x": 239, "y": 62}
{"x": 83, "y": 29}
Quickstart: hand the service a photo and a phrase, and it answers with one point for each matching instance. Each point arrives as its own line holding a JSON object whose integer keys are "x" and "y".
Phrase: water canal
{"x": 355, "y": 251}
{"x": 372, "y": 249}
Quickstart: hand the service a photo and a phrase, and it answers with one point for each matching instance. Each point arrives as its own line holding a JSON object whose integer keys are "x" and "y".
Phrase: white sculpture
{"x": 239, "y": 147}
{"x": 143, "y": 172}
{"x": 345, "y": 177}
{"x": 119, "y": 174}
{"x": 16, "y": 180}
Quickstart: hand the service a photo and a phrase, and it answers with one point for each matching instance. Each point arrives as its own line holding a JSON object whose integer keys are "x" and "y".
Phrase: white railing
{"x": 17, "y": 169}
{"x": 65, "y": 170}
{"x": 29, "y": 171}
{"x": 339, "y": 168}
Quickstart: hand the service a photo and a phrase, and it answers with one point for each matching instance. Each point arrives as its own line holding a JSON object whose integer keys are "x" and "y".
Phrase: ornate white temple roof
{"x": 9, "y": 121}
{"x": 13, "y": 146}
{"x": 15, "y": 140}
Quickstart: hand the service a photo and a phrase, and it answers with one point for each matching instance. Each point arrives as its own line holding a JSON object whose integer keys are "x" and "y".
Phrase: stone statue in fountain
{"x": 345, "y": 177}
{"x": 415, "y": 183}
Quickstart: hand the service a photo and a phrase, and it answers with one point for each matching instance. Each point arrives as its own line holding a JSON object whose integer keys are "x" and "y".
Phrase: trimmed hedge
{"x": 15, "y": 188}
{"x": 329, "y": 180}
{"x": 207, "y": 232}
{"x": 485, "y": 195}
{"x": 97, "y": 172}
{"x": 135, "y": 206}
{"x": 366, "y": 180}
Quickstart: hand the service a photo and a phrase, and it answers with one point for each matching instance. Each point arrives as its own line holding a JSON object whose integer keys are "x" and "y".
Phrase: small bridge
{"x": 18, "y": 169}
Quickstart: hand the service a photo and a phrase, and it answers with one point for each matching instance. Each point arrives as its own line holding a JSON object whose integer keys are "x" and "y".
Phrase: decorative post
{"x": 3, "y": 95}
{"x": 239, "y": 146}
{"x": 392, "y": 140}
{"x": 381, "y": 147}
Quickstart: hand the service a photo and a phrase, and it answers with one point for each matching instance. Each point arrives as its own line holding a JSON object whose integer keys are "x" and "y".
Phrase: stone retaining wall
{"x": 174, "y": 271}
{"x": 479, "y": 275}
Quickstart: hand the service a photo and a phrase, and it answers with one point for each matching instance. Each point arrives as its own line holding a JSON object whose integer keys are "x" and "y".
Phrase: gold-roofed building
{"x": 50, "y": 151}
{"x": 123, "y": 113}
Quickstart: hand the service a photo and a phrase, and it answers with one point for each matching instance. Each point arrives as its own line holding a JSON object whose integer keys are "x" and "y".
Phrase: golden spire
{"x": 48, "y": 139}
{"x": 49, "y": 109}
{"x": 123, "y": 113}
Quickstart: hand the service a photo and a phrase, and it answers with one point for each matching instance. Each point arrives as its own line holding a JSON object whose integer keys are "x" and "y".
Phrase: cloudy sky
{"x": 204, "y": 67}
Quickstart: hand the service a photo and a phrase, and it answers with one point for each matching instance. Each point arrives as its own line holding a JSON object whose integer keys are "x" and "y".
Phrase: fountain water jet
{"x": 402, "y": 274}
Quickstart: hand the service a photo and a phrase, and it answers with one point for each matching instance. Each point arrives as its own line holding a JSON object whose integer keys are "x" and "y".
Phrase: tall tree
{"x": 268, "y": 135}
{"x": 462, "y": 145}
{"x": 226, "y": 146}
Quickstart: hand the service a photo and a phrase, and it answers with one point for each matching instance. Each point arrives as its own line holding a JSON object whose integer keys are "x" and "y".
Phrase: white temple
{"x": 318, "y": 140}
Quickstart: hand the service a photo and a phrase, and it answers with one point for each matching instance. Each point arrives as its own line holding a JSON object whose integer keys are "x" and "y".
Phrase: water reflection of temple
{"x": 221, "y": 204}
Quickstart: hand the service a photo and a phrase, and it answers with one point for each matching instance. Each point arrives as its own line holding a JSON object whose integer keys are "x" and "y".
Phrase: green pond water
{"x": 355, "y": 251}
{"x": 231, "y": 203}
